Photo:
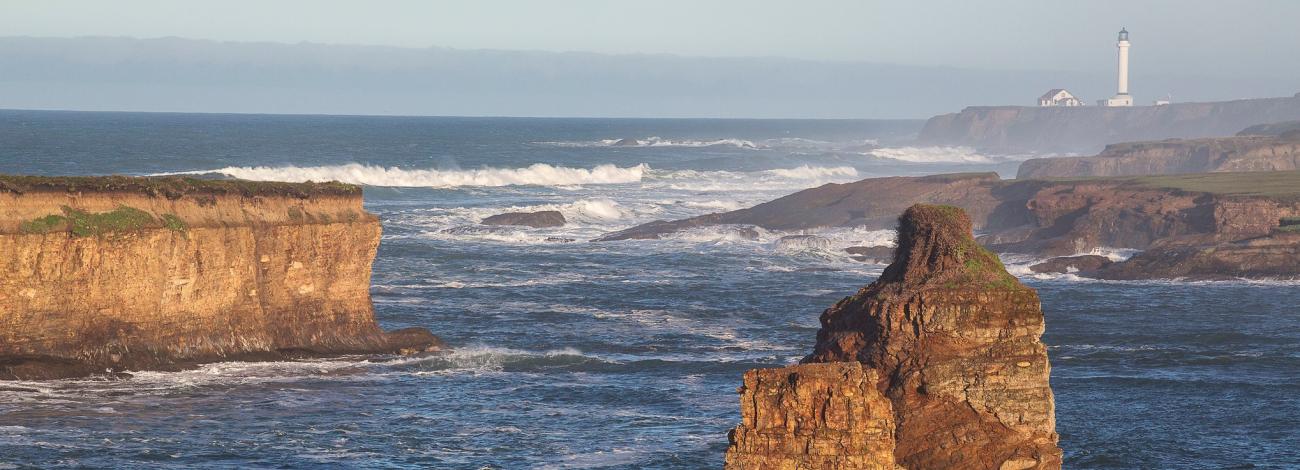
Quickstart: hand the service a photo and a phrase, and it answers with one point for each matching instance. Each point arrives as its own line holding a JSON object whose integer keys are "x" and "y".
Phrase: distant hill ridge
{"x": 1020, "y": 129}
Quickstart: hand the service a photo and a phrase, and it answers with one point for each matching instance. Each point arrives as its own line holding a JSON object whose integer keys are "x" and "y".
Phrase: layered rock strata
{"x": 813, "y": 416}
{"x": 953, "y": 340}
{"x": 1174, "y": 156}
{"x": 117, "y": 274}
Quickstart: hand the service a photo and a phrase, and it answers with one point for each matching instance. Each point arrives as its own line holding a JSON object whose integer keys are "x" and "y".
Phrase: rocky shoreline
{"x": 115, "y": 274}
{"x": 1216, "y": 212}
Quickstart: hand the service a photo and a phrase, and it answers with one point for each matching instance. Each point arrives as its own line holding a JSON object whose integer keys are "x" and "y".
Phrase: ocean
{"x": 570, "y": 354}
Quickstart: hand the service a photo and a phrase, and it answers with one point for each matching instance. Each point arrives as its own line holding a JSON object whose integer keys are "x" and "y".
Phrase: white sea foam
{"x": 813, "y": 172}
{"x": 539, "y": 174}
{"x": 655, "y": 141}
{"x": 931, "y": 155}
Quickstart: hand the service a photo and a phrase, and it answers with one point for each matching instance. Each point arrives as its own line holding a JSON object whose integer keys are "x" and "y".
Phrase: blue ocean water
{"x": 626, "y": 354}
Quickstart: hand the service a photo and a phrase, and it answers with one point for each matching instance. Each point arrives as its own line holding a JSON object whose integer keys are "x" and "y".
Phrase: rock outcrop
{"x": 953, "y": 340}
{"x": 539, "y": 219}
{"x": 1174, "y": 156}
{"x": 873, "y": 203}
{"x": 1273, "y": 256}
{"x": 1020, "y": 129}
{"x": 118, "y": 274}
{"x": 1042, "y": 217}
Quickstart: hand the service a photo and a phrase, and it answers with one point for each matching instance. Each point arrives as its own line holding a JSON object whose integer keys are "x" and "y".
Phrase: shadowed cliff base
{"x": 114, "y": 274}
{"x": 951, "y": 342}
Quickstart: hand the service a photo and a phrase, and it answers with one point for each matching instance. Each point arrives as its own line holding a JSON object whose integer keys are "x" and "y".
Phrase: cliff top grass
{"x": 1272, "y": 184}
{"x": 936, "y": 249}
{"x": 85, "y": 224}
{"x": 171, "y": 187}
{"x": 951, "y": 177}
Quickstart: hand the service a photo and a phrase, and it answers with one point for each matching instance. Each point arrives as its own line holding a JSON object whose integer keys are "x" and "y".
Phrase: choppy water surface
{"x": 622, "y": 354}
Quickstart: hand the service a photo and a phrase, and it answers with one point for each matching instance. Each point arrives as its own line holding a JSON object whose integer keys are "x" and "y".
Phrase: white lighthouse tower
{"x": 1121, "y": 97}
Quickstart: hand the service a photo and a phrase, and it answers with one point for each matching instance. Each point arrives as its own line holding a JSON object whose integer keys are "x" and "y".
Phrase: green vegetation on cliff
{"x": 85, "y": 224}
{"x": 171, "y": 187}
{"x": 1273, "y": 184}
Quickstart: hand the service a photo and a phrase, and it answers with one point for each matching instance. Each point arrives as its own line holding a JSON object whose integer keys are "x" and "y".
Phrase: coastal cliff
{"x": 951, "y": 342}
{"x": 1174, "y": 156}
{"x": 1019, "y": 129}
{"x": 1045, "y": 217}
{"x": 118, "y": 273}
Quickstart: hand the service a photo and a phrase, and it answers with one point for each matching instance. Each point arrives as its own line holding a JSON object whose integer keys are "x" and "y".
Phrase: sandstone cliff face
{"x": 1017, "y": 129}
{"x": 106, "y": 279}
{"x": 954, "y": 340}
{"x": 813, "y": 416}
{"x": 1249, "y": 153}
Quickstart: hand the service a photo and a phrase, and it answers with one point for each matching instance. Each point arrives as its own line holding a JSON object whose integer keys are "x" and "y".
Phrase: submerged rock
{"x": 1068, "y": 264}
{"x": 540, "y": 219}
{"x": 626, "y": 143}
{"x": 954, "y": 341}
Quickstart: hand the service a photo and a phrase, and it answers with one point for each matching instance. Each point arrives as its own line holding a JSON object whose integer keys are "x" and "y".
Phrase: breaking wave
{"x": 539, "y": 174}
{"x": 931, "y": 155}
{"x": 813, "y": 172}
{"x": 660, "y": 142}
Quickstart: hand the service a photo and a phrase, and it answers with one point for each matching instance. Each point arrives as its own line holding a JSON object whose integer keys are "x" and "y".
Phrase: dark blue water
{"x": 615, "y": 355}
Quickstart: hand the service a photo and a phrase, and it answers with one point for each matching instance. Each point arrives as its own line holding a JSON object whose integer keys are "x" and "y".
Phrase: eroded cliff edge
{"x": 937, "y": 364}
{"x": 1175, "y": 156}
{"x": 117, "y": 273}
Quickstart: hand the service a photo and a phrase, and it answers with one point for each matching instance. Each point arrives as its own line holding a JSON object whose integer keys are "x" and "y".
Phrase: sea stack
{"x": 951, "y": 342}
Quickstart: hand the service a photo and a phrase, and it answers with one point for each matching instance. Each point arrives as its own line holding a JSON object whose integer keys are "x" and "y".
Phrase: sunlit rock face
{"x": 121, "y": 274}
{"x": 952, "y": 340}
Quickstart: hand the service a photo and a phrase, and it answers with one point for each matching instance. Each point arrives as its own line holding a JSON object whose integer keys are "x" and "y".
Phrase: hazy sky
{"x": 1194, "y": 36}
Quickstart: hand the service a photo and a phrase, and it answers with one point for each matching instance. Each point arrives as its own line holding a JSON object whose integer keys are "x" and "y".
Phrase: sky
{"x": 1004, "y": 34}
{"x": 974, "y": 50}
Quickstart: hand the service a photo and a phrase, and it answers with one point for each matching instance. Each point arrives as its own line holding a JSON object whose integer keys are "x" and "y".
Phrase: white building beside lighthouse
{"x": 1121, "y": 98}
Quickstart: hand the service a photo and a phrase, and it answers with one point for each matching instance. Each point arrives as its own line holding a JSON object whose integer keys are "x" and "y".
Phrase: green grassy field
{"x": 1278, "y": 184}
{"x": 170, "y": 186}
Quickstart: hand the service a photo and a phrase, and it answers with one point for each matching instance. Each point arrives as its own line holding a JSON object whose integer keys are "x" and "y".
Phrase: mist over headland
{"x": 186, "y": 75}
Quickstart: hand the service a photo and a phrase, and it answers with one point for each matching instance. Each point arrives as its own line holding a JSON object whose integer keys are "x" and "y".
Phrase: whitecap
{"x": 538, "y": 174}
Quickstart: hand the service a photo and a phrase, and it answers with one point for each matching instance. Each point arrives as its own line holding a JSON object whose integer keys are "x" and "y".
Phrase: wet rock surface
{"x": 539, "y": 219}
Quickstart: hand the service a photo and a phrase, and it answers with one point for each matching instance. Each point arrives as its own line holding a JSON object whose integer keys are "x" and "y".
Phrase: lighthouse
{"x": 1121, "y": 97}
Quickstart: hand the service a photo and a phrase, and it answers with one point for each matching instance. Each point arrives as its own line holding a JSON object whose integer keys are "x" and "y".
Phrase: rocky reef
{"x": 539, "y": 219}
{"x": 950, "y": 341}
{"x": 874, "y": 203}
{"x": 1020, "y": 129}
{"x": 1047, "y": 217}
{"x": 1175, "y": 156}
{"x": 107, "y": 274}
